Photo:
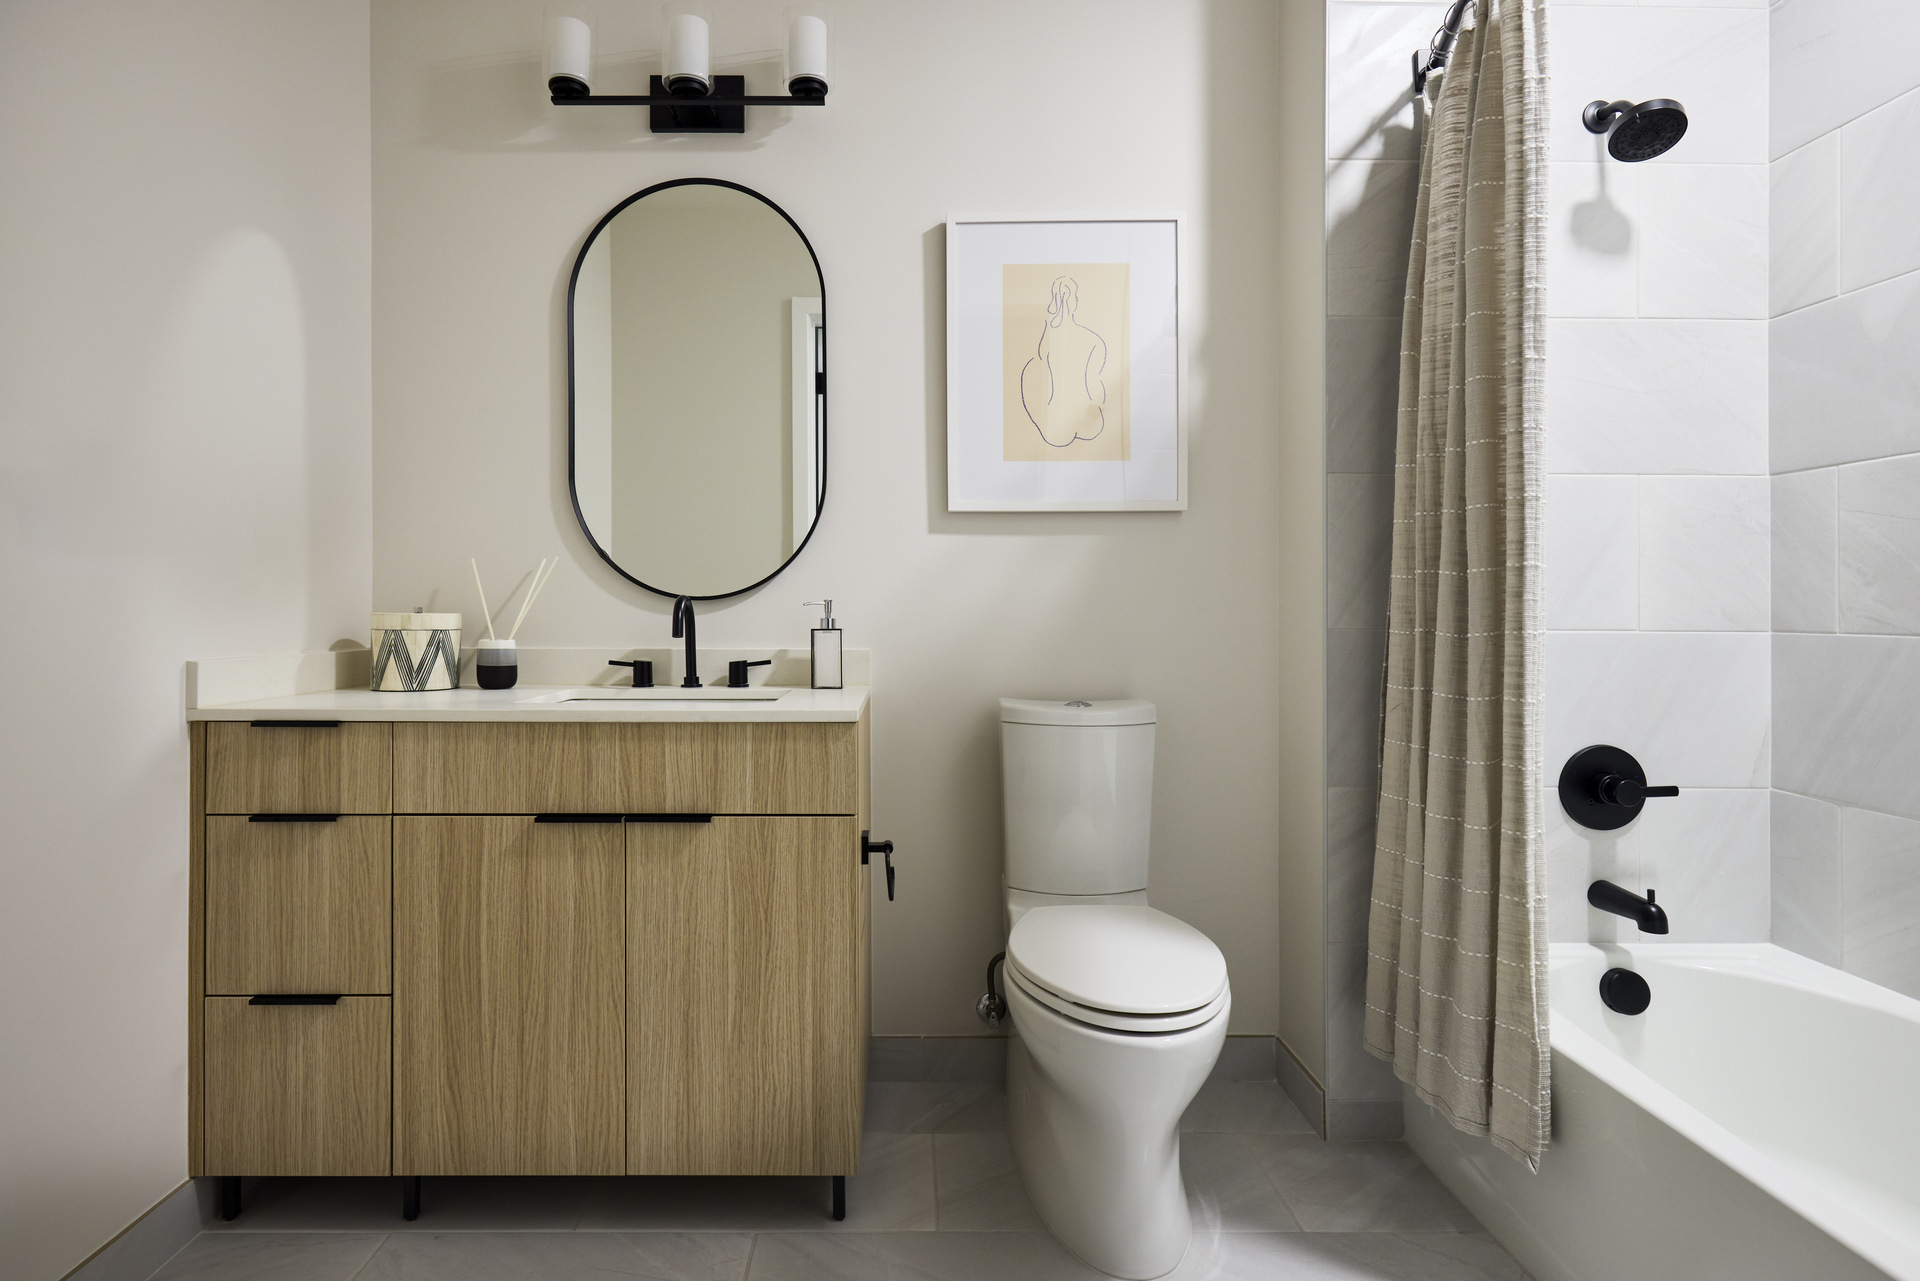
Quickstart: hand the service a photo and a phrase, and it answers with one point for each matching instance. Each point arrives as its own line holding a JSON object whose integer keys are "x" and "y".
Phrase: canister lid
{"x": 1076, "y": 711}
{"x": 395, "y": 621}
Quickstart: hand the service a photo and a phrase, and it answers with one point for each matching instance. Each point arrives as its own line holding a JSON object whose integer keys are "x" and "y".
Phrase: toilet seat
{"x": 1131, "y": 969}
{"x": 1113, "y": 1020}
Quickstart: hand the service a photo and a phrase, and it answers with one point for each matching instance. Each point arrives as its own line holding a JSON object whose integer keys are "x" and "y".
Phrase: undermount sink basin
{"x": 660, "y": 694}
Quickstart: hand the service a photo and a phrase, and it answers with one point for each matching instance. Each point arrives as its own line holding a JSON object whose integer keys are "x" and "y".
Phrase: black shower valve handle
{"x": 1619, "y": 789}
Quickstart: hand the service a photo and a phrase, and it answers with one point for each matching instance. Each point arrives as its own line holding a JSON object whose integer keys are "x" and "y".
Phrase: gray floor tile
{"x": 892, "y": 1192}
{"x": 1331, "y": 1256}
{"x": 908, "y": 1256}
{"x": 978, "y": 1187}
{"x": 1243, "y": 1107}
{"x": 924, "y": 1107}
{"x": 1227, "y": 1187}
{"x": 272, "y": 1256}
{"x": 541, "y": 1256}
{"x": 1373, "y": 1186}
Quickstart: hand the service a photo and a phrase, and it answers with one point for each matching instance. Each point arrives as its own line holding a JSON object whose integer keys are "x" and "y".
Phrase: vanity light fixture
{"x": 689, "y": 98}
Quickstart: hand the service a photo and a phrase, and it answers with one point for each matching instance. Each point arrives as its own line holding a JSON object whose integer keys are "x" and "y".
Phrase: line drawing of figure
{"x": 1062, "y": 387}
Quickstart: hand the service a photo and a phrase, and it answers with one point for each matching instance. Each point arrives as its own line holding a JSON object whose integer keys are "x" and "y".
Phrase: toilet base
{"x": 1094, "y": 1118}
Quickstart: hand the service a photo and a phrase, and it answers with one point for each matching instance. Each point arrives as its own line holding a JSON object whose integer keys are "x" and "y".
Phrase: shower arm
{"x": 1441, "y": 47}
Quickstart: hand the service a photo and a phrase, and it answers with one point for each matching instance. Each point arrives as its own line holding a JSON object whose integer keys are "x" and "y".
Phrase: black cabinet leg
{"x": 839, "y": 1197}
{"x": 410, "y": 1197}
{"x": 229, "y": 1197}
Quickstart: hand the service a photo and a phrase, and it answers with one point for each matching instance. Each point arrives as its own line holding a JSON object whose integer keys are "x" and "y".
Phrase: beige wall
{"x": 184, "y": 459}
{"x": 482, "y": 196}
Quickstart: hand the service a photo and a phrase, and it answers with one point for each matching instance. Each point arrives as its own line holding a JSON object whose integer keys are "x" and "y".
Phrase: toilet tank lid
{"x": 1131, "y": 960}
{"x": 1076, "y": 711}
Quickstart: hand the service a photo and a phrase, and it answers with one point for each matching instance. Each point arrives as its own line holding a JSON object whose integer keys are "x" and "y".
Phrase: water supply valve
{"x": 1604, "y": 788}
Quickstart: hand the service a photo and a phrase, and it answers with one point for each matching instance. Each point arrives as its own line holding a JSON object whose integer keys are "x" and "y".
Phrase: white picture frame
{"x": 1065, "y": 370}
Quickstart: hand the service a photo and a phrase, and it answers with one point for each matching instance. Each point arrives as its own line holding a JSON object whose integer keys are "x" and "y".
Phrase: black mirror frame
{"x": 573, "y": 282}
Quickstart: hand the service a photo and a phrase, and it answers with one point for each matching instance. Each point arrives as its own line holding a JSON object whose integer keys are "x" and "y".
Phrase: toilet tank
{"x": 1076, "y": 794}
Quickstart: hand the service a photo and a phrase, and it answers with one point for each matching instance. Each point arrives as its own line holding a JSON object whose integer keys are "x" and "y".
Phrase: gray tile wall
{"x": 1844, "y": 387}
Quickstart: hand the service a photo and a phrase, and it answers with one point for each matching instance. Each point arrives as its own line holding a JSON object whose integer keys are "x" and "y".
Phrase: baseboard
{"x": 153, "y": 1238}
{"x": 984, "y": 1058}
{"x": 1307, "y": 1093}
{"x": 1365, "y": 1119}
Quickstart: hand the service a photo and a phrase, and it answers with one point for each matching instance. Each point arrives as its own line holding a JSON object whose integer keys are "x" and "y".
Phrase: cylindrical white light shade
{"x": 687, "y": 61}
{"x": 570, "y": 58}
{"x": 807, "y": 54}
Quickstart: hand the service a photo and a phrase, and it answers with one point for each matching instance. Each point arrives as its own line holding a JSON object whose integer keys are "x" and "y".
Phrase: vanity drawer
{"x": 678, "y": 768}
{"x": 299, "y": 907}
{"x": 312, "y": 767}
{"x": 298, "y": 1089}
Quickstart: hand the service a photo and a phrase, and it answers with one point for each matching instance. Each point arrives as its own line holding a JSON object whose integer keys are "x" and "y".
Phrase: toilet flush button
{"x": 1079, "y": 702}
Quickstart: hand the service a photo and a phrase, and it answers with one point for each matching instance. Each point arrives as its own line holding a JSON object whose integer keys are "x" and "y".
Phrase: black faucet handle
{"x": 642, "y": 670}
{"x": 1668, "y": 790}
{"x": 1603, "y": 788}
{"x": 737, "y": 670}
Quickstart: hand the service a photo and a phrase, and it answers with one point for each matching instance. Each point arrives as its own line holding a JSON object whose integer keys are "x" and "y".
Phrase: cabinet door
{"x": 746, "y": 1035}
{"x": 298, "y": 907}
{"x": 297, "y": 1089}
{"x": 509, "y": 960}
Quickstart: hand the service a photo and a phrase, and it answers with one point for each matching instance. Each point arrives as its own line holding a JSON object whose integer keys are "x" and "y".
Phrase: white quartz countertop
{"x": 541, "y": 703}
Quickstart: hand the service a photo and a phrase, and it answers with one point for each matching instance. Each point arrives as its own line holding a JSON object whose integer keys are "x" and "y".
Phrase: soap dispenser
{"x": 826, "y": 648}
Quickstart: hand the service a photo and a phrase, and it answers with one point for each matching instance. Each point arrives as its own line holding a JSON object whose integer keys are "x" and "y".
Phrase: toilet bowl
{"x": 1095, "y": 1095}
{"x": 1118, "y": 1010}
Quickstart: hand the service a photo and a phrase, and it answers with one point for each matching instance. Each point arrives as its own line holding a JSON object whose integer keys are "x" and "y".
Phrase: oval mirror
{"x": 696, "y": 344}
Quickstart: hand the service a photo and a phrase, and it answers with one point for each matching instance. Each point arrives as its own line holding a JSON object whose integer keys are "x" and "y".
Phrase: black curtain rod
{"x": 1441, "y": 47}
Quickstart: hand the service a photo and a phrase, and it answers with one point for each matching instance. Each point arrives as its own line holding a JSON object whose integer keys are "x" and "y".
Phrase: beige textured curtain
{"x": 1456, "y": 966}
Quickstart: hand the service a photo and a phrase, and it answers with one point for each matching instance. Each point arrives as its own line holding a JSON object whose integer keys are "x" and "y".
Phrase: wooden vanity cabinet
{"x": 560, "y": 948}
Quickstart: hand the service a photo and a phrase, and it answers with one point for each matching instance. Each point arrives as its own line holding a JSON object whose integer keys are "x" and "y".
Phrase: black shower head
{"x": 1640, "y": 131}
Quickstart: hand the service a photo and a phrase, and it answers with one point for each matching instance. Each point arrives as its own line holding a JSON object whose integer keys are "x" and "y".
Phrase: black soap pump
{"x": 826, "y": 648}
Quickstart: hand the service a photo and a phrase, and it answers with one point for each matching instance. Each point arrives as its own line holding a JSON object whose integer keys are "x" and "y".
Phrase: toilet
{"x": 1118, "y": 1010}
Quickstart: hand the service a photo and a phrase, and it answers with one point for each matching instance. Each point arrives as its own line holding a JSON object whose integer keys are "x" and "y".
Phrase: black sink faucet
{"x": 683, "y": 626}
{"x": 1644, "y": 912}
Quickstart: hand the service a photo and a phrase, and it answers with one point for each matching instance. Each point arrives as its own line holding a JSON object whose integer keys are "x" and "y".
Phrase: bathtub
{"x": 1760, "y": 1121}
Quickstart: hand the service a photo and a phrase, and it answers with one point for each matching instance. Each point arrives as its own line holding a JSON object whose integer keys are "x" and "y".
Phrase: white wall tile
{"x": 1350, "y": 829}
{"x": 1845, "y": 385}
{"x": 1369, "y": 232}
{"x": 1714, "y": 61}
{"x": 1833, "y": 60}
{"x": 1363, "y": 392}
{"x": 1805, "y": 529}
{"x": 1804, "y": 231}
{"x": 1576, "y": 857}
{"x": 1804, "y": 850}
{"x": 1692, "y": 706}
{"x": 1359, "y": 549}
{"x": 1880, "y": 546}
{"x": 1879, "y": 192}
{"x": 1352, "y": 1073}
{"x": 1593, "y": 245}
{"x": 1704, "y": 553}
{"x": 1355, "y": 663}
{"x": 1590, "y": 544}
{"x": 1847, "y": 719}
{"x": 1704, "y": 241}
{"x": 1657, "y": 396}
{"x": 1706, "y": 854}
{"x": 1880, "y": 858}
{"x": 1370, "y": 111}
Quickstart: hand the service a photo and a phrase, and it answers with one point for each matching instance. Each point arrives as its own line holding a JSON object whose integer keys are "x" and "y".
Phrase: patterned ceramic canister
{"x": 415, "y": 652}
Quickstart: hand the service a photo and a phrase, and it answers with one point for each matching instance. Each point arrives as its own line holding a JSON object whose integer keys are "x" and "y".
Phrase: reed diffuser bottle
{"x": 496, "y": 661}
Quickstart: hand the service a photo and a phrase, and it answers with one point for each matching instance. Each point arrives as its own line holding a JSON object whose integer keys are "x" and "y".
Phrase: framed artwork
{"x": 1064, "y": 364}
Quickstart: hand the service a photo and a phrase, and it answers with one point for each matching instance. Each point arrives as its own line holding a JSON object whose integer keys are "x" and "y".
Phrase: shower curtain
{"x": 1456, "y": 946}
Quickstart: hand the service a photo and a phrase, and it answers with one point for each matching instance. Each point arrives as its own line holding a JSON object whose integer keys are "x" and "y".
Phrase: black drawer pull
{"x": 297, "y": 998}
{"x": 293, "y": 818}
{"x": 669, "y": 818}
{"x": 576, "y": 818}
{"x": 295, "y": 724}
